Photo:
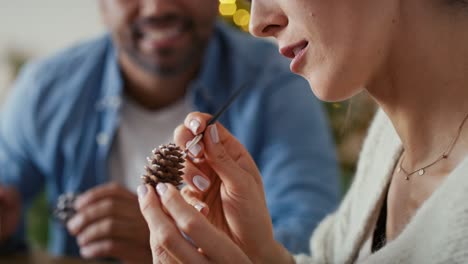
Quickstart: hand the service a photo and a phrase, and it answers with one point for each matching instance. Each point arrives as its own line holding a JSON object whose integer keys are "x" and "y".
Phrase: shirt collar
{"x": 112, "y": 82}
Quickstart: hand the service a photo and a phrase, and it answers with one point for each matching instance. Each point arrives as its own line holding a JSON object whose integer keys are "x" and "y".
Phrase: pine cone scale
{"x": 164, "y": 165}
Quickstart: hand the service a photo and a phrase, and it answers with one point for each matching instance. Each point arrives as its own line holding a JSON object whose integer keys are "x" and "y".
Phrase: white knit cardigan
{"x": 437, "y": 233}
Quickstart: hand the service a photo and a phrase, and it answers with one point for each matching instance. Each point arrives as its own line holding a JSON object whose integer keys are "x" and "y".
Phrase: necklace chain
{"x": 444, "y": 155}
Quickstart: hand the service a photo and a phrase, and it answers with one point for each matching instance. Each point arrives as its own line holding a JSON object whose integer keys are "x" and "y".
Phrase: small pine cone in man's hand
{"x": 64, "y": 209}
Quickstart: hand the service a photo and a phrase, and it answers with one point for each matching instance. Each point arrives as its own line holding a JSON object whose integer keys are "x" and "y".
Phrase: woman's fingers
{"x": 196, "y": 122}
{"x": 230, "y": 155}
{"x": 233, "y": 147}
{"x": 194, "y": 198}
{"x": 164, "y": 235}
{"x": 214, "y": 244}
{"x": 229, "y": 158}
{"x": 183, "y": 137}
{"x": 195, "y": 177}
{"x": 125, "y": 251}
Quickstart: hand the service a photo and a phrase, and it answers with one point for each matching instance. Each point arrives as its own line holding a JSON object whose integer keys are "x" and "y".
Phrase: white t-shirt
{"x": 139, "y": 132}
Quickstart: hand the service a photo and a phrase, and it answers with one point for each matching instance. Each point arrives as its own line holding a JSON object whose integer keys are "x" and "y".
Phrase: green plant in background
{"x": 37, "y": 222}
{"x": 349, "y": 122}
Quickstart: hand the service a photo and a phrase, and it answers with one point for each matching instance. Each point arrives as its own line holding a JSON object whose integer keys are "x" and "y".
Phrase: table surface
{"x": 40, "y": 257}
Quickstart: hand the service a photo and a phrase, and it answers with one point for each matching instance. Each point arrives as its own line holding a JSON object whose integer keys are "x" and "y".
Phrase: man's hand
{"x": 108, "y": 223}
{"x": 10, "y": 210}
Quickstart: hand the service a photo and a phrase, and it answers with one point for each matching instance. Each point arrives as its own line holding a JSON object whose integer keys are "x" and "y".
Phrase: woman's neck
{"x": 424, "y": 89}
{"x": 428, "y": 122}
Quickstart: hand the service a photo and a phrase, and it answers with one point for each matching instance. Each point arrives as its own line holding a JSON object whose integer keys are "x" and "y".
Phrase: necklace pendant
{"x": 407, "y": 178}
{"x": 421, "y": 172}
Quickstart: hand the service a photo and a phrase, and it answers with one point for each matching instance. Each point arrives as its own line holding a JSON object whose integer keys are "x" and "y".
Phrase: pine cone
{"x": 165, "y": 166}
{"x": 64, "y": 209}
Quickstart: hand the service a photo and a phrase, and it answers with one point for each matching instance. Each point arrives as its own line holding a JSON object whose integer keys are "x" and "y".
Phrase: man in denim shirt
{"x": 83, "y": 120}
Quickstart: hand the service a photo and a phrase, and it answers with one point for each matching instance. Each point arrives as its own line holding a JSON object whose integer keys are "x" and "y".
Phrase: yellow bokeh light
{"x": 337, "y": 105}
{"x": 241, "y": 17}
{"x": 227, "y": 1}
{"x": 227, "y": 9}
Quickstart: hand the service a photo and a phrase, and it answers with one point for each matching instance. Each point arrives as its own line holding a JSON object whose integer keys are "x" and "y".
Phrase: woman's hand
{"x": 237, "y": 218}
{"x": 168, "y": 215}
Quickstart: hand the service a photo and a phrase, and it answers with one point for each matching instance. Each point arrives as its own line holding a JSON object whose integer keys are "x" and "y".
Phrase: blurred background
{"x": 33, "y": 29}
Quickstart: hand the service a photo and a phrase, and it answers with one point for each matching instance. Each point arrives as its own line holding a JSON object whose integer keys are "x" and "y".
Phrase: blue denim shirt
{"x": 59, "y": 122}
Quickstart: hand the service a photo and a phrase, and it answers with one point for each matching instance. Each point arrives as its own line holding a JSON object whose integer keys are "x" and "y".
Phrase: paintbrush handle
{"x": 217, "y": 115}
{"x": 231, "y": 99}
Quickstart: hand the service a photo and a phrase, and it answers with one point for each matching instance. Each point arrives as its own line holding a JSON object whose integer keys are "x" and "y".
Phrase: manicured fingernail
{"x": 161, "y": 188}
{"x": 81, "y": 240}
{"x": 141, "y": 191}
{"x": 78, "y": 201}
{"x": 201, "y": 183}
{"x": 74, "y": 223}
{"x": 195, "y": 149}
{"x": 214, "y": 134}
{"x": 194, "y": 125}
{"x": 199, "y": 207}
{"x": 85, "y": 252}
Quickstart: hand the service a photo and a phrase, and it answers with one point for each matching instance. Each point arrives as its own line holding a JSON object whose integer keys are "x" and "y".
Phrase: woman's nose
{"x": 267, "y": 18}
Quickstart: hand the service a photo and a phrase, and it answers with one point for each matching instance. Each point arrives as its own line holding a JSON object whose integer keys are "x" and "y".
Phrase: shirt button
{"x": 114, "y": 102}
{"x": 102, "y": 139}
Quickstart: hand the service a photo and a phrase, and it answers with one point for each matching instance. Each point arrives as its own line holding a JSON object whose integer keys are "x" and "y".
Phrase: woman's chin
{"x": 330, "y": 98}
{"x": 332, "y": 91}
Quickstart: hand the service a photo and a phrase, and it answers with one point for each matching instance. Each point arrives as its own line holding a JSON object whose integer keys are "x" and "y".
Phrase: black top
{"x": 379, "y": 238}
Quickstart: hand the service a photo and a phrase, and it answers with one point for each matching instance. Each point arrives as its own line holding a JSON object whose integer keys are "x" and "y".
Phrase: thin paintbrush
{"x": 216, "y": 116}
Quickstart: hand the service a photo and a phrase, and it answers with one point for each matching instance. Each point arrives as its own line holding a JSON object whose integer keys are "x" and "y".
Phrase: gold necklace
{"x": 444, "y": 155}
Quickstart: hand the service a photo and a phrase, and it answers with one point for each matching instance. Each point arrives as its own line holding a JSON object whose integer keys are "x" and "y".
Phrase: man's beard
{"x": 183, "y": 62}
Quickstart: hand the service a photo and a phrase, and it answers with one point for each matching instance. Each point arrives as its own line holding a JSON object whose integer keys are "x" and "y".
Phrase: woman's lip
{"x": 292, "y": 51}
{"x": 298, "y": 59}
